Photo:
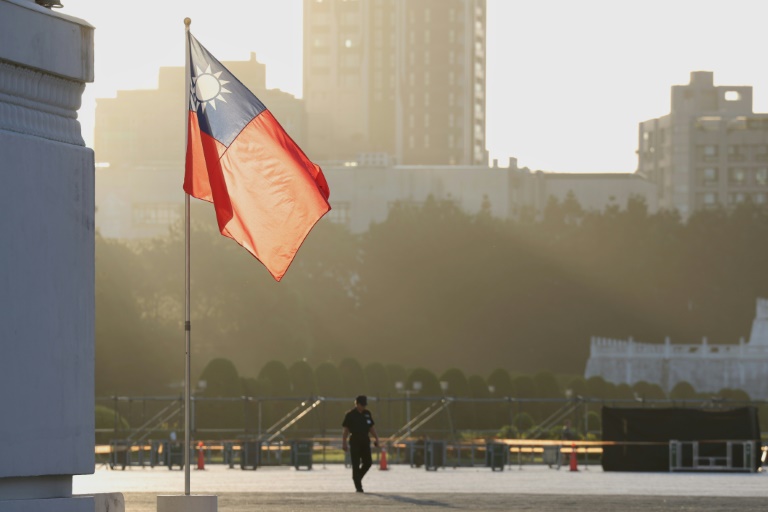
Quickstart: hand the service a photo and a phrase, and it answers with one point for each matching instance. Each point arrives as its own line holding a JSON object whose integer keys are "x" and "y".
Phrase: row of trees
{"x": 431, "y": 287}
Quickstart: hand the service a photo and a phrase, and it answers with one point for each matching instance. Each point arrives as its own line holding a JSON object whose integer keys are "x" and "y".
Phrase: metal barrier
{"x": 434, "y": 452}
{"x": 713, "y": 456}
{"x": 496, "y": 455}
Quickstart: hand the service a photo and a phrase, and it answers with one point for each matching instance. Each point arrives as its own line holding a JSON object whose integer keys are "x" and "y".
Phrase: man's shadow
{"x": 412, "y": 501}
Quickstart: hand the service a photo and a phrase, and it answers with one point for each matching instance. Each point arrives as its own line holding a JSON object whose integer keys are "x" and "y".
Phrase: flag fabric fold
{"x": 266, "y": 192}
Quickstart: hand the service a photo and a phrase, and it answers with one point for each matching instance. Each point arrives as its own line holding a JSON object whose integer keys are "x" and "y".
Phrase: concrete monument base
{"x": 46, "y": 260}
{"x": 184, "y": 503}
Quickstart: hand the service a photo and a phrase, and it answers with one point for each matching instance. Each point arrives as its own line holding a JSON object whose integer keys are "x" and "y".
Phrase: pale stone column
{"x": 46, "y": 260}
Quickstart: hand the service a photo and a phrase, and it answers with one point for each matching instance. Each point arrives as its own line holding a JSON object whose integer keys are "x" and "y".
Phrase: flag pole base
{"x": 187, "y": 503}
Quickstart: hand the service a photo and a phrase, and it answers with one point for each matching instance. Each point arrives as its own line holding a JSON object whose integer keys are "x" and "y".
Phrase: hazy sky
{"x": 568, "y": 81}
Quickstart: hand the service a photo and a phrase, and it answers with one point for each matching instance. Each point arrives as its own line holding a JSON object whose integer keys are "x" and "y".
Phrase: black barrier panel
{"x": 301, "y": 454}
{"x": 652, "y": 429}
{"x": 496, "y": 455}
{"x": 250, "y": 455}
{"x": 434, "y": 451}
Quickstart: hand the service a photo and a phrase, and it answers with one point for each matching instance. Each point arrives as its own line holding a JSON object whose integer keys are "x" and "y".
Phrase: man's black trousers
{"x": 360, "y": 456}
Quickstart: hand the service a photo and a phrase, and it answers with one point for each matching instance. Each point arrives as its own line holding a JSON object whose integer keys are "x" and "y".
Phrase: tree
{"x": 277, "y": 374}
{"x": 352, "y": 376}
{"x": 302, "y": 379}
{"x": 501, "y": 382}
{"x": 682, "y": 391}
{"x": 329, "y": 381}
{"x": 221, "y": 381}
{"x": 124, "y": 336}
{"x": 377, "y": 382}
{"x": 647, "y": 391}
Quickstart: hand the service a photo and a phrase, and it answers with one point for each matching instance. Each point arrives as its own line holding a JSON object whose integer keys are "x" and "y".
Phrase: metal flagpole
{"x": 187, "y": 323}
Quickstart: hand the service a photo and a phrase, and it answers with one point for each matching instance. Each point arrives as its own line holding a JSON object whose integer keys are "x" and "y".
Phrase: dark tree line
{"x": 431, "y": 287}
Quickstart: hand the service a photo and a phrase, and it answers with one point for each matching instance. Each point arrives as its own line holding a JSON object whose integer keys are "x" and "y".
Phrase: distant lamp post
{"x": 49, "y": 3}
{"x": 416, "y": 387}
{"x": 444, "y": 386}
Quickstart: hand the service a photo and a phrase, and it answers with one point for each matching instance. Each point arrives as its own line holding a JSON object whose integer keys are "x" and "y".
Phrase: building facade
{"x": 145, "y": 127}
{"x": 401, "y": 77}
{"x": 710, "y": 150}
{"x": 708, "y": 368}
{"x": 140, "y": 201}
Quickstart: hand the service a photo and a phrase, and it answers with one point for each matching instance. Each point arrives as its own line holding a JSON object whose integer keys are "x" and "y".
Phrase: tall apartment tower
{"x": 711, "y": 149}
{"x": 402, "y": 79}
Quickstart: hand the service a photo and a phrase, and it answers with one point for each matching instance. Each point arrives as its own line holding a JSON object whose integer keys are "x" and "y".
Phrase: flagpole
{"x": 187, "y": 322}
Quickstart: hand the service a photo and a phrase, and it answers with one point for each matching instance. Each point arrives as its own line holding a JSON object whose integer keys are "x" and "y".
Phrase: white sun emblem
{"x": 207, "y": 88}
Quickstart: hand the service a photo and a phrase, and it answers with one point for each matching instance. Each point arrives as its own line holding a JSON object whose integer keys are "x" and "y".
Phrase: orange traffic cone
{"x": 200, "y": 458}
{"x": 383, "y": 460}
{"x": 574, "y": 464}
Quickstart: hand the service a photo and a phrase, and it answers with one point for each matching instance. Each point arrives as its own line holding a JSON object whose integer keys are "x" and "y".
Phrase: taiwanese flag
{"x": 267, "y": 194}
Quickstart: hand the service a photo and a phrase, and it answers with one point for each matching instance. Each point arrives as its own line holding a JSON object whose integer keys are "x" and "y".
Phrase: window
{"x": 732, "y": 96}
{"x": 708, "y": 176}
{"x": 708, "y": 200}
{"x": 737, "y": 176}
{"x": 759, "y": 198}
{"x": 707, "y": 152}
{"x": 340, "y": 213}
{"x": 761, "y": 153}
{"x": 761, "y": 176}
{"x": 737, "y": 198}
{"x": 736, "y": 153}
{"x": 155, "y": 213}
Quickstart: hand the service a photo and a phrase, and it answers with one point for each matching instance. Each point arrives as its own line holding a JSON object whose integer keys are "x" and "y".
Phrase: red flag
{"x": 267, "y": 194}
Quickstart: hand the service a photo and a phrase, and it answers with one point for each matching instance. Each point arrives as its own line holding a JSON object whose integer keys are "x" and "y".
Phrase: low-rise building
{"x": 707, "y": 367}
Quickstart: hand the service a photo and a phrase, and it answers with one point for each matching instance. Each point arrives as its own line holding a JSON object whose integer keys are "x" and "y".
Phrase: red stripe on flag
{"x": 267, "y": 194}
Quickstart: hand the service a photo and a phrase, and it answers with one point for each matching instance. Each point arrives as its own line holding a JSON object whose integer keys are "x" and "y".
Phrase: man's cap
{"x": 362, "y": 400}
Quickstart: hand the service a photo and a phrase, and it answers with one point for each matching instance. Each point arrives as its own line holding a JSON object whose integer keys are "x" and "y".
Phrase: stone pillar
{"x": 46, "y": 260}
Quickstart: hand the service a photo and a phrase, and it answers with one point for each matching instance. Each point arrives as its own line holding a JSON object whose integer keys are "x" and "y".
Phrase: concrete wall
{"x": 708, "y": 368}
{"x": 46, "y": 260}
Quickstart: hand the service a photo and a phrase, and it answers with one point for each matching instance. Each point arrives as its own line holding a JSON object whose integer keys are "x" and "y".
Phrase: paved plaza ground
{"x": 532, "y": 488}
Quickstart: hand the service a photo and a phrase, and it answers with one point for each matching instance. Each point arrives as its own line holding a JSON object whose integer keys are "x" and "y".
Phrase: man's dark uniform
{"x": 358, "y": 424}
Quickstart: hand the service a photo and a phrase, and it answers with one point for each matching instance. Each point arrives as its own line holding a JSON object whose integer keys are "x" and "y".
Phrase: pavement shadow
{"x": 412, "y": 501}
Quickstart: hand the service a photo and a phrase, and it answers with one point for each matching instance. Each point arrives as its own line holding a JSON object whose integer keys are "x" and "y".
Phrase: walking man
{"x": 358, "y": 424}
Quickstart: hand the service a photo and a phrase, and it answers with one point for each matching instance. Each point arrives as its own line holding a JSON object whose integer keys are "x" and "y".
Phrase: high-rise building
{"x": 710, "y": 150}
{"x": 398, "y": 79}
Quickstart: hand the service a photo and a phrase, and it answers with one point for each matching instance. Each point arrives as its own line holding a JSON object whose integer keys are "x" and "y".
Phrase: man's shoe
{"x": 360, "y": 489}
